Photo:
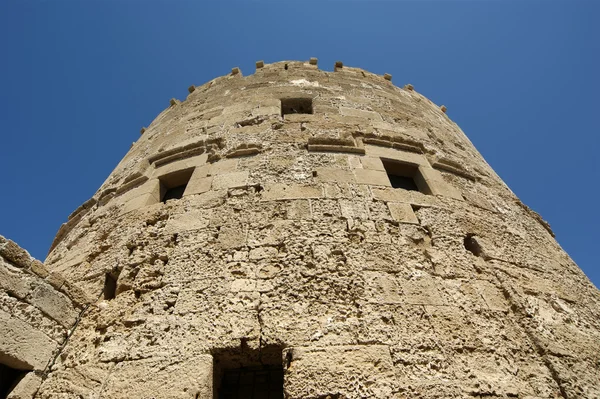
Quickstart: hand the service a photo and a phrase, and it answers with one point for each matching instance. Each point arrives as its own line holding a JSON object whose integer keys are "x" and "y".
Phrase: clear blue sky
{"x": 79, "y": 79}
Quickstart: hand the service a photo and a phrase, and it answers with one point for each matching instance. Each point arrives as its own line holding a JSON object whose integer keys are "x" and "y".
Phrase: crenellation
{"x": 329, "y": 222}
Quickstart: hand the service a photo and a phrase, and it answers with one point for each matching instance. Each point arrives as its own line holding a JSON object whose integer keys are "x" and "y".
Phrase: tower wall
{"x": 290, "y": 246}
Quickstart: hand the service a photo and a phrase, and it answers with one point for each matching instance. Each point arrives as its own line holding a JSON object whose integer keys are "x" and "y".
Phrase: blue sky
{"x": 79, "y": 79}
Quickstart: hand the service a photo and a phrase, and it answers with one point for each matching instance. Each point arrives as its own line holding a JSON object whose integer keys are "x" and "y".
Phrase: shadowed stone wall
{"x": 293, "y": 245}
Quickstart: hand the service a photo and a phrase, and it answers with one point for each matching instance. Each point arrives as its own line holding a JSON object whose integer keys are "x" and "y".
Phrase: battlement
{"x": 307, "y": 234}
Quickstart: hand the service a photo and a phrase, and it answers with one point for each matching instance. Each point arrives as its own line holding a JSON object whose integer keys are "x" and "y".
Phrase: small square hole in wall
{"x": 401, "y": 175}
{"x": 173, "y": 185}
{"x": 9, "y": 378}
{"x": 296, "y": 106}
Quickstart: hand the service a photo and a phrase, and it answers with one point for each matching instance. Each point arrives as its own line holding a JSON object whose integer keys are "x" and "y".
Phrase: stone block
{"x": 190, "y": 220}
{"x": 198, "y": 185}
{"x": 223, "y": 166}
{"x": 39, "y": 269}
{"x": 53, "y": 303}
{"x": 22, "y": 346}
{"x": 320, "y": 372}
{"x": 294, "y": 118}
{"x": 260, "y": 64}
{"x": 230, "y": 180}
{"x": 372, "y": 177}
{"x": 13, "y": 281}
{"x": 391, "y": 194}
{"x": 313, "y": 61}
{"x": 235, "y": 71}
{"x": 335, "y": 175}
{"x": 396, "y": 155}
{"x": 27, "y": 387}
{"x": 165, "y": 378}
{"x": 402, "y": 212}
{"x": 387, "y": 76}
{"x": 359, "y": 113}
{"x": 191, "y": 89}
{"x": 15, "y": 254}
{"x": 281, "y": 191}
{"x": 372, "y": 163}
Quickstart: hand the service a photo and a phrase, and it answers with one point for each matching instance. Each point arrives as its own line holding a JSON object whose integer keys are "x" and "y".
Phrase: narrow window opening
{"x": 248, "y": 374}
{"x": 110, "y": 286}
{"x": 173, "y": 185}
{"x": 9, "y": 378}
{"x": 401, "y": 175}
{"x": 472, "y": 245}
{"x": 286, "y": 67}
{"x": 296, "y": 106}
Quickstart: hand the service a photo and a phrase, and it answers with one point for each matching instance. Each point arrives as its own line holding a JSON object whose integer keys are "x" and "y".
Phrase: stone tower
{"x": 302, "y": 233}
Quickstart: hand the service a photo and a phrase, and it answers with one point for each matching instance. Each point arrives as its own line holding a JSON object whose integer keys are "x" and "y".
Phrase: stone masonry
{"x": 309, "y": 234}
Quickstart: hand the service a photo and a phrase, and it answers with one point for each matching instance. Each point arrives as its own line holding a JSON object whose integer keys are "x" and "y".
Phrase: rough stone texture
{"x": 37, "y": 310}
{"x": 290, "y": 247}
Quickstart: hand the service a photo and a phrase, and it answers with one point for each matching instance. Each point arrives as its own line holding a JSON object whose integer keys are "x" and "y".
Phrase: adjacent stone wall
{"x": 290, "y": 246}
{"x": 38, "y": 309}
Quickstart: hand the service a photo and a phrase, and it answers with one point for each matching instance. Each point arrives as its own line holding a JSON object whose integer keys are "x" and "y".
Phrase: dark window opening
{"x": 472, "y": 245}
{"x": 248, "y": 374}
{"x": 401, "y": 175}
{"x": 296, "y": 106}
{"x": 252, "y": 383}
{"x": 286, "y": 67}
{"x": 9, "y": 378}
{"x": 174, "y": 193}
{"x": 110, "y": 286}
{"x": 173, "y": 185}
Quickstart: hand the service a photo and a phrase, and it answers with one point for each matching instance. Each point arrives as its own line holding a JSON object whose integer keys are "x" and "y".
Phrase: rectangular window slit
{"x": 296, "y": 106}
{"x": 173, "y": 185}
{"x": 401, "y": 175}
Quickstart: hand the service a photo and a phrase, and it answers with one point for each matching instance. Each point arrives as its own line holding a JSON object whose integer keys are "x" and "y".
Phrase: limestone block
{"x": 235, "y": 71}
{"x": 139, "y": 202}
{"x": 435, "y": 183}
{"x": 27, "y": 387}
{"x": 301, "y": 117}
{"x": 267, "y": 111}
{"x": 372, "y": 163}
{"x": 313, "y": 61}
{"x": 15, "y": 254}
{"x": 168, "y": 378}
{"x": 223, "y": 166}
{"x": 260, "y": 64}
{"x": 387, "y": 76}
{"x": 372, "y": 177}
{"x": 281, "y": 191}
{"x": 230, "y": 180}
{"x": 23, "y": 347}
{"x": 397, "y": 155}
{"x": 197, "y": 161}
{"x": 391, "y": 194}
{"x": 298, "y": 209}
{"x": 402, "y": 212}
{"x": 13, "y": 280}
{"x": 352, "y": 209}
{"x": 198, "y": 185}
{"x": 335, "y": 175}
{"x": 191, "y": 220}
{"x": 318, "y": 372}
{"x": 53, "y": 303}
{"x": 243, "y": 284}
{"x": 359, "y": 113}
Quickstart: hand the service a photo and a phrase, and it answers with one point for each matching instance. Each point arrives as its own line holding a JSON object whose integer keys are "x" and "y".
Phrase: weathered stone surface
{"x": 23, "y": 347}
{"x": 290, "y": 248}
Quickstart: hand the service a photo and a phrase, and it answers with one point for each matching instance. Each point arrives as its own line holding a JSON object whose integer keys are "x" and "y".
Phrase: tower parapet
{"x": 317, "y": 234}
